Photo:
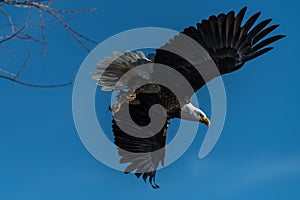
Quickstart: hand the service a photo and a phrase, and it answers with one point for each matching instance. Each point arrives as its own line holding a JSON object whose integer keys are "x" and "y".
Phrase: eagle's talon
{"x": 131, "y": 97}
{"x": 115, "y": 108}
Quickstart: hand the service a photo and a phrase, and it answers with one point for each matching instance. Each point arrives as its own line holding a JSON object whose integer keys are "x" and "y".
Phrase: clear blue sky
{"x": 257, "y": 156}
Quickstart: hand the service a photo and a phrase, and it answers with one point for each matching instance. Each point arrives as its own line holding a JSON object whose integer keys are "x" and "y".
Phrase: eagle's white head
{"x": 192, "y": 113}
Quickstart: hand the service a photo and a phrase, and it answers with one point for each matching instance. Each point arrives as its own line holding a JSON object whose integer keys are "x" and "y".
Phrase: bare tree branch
{"x": 23, "y": 67}
{"x": 11, "y": 24}
{"x": 36, "y": 85}
{"x": 14, "y": 77}
{"x": 43, "y": 30}
{"x": 6, "y": 38}
{"x": 43, "y": 8}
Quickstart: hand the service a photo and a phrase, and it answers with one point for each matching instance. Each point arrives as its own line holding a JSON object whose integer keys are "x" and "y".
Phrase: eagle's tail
{"x": 110, "y": 70}
{"x": 231, "y": 44}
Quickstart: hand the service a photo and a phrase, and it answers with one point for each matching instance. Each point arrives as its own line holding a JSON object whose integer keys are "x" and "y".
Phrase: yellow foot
{"x": 131, "y": 97}
{"x": 115, "y": 108}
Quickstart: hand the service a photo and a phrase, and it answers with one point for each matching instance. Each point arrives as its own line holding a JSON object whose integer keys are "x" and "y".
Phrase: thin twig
{"x": 13, "y": 35}
{"x": 71, "y": 31}
{"x": 10, "y": 52}
{"x": 36, "y": 85}
{"x": 7, "y": 72}
{"x": 29, "y": 37}
{"x": 14, "y": 77}
{"x": 11, "y": 24}
{"x": 23, "y": 67}
{"x": 74, "y": 11}
{"x": 43, "y": 30}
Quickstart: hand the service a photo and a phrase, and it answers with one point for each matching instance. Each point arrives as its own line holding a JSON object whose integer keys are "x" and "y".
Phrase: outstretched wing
{"x": 142, "y": 150}
{"x": 226, "y": 42}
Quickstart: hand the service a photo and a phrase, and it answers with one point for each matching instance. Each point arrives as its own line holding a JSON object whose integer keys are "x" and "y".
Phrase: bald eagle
{"x": 224, "y": 41}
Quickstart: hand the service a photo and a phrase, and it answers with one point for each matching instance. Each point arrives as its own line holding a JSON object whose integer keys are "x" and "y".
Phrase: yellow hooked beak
{"x": 206, "y": 121}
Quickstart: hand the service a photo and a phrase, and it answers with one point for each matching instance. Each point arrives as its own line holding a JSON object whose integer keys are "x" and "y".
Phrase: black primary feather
{"x": 229, "y": 43}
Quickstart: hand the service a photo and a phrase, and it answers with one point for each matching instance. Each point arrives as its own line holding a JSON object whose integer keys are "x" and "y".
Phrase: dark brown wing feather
{"x": 229, "y": 43}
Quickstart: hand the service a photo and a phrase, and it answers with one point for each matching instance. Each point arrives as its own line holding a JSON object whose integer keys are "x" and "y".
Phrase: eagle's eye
{"x": 200, "y": 114}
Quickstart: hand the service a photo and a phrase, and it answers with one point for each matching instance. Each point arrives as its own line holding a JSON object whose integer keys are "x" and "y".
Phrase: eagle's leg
{"x": 131, "y": 97}
{"x": 121, "y": 99}
{"x": 115, "y": 108}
